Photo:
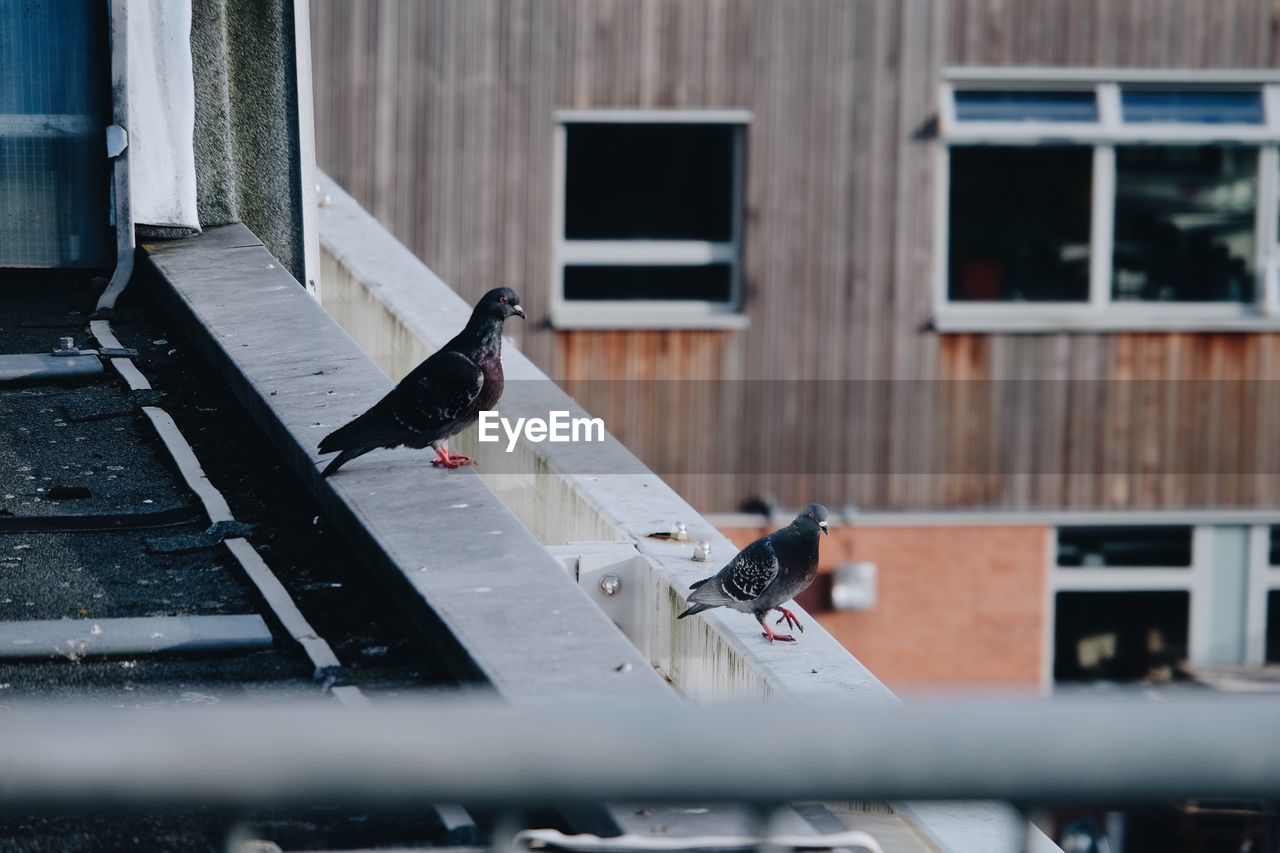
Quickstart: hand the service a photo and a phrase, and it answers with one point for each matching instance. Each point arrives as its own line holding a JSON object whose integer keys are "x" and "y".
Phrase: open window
{"x": 648, "y": 221}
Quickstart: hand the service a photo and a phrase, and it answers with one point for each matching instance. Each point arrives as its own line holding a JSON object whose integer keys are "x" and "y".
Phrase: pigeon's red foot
{"x": 450, "y": 460}
{"x": 789, "y": 618}
{"x": 769, "y": 635}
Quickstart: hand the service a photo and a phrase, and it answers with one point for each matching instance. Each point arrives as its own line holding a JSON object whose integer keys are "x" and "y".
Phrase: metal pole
{"x": 477, "y": 753}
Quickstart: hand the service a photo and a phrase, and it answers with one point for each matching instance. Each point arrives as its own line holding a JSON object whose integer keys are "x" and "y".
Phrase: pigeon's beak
{"x": 518, "y": 311}
{"x": 823, "y": 525}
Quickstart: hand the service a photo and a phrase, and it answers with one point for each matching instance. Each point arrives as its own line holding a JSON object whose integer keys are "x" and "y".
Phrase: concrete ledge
{"x": 499, "y": 606}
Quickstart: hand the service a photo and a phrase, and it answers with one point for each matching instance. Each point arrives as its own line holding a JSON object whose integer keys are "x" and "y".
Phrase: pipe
{"x": 125, "y": 240}
{"x": 489, "y": 754}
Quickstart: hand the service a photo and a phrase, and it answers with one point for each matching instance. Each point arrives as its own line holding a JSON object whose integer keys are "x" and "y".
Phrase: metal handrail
{"x": 482, "y": 753}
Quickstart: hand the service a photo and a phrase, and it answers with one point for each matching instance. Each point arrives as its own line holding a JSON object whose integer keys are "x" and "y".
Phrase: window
{"x": 1138, "y": 602}
{"x": 1184, "y": 223}
{"x": 648, "y": 221}
{"x": 1119, "y": 636}
{"x": 1105, "y": 200}
{"x": 1268, "y": 577}
{"x": 1123, "y": 598}
{"x": 1273, "y": 626}
{"x": 1020, "y": 224}
{"x": 1146, "y": 547}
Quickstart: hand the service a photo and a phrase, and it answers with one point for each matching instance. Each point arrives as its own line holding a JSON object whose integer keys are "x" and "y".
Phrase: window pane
{"x": 1273, "y": 626}
{"x": 985, "y": 105}
{"x": 1119, "y": 636}
{"x": 1124, "y": 546}
{"x": 711, "y": 282}
{"x": 1198, "y": 106}
{"x": 1019, "y": 219}
{"x": 649, "y": 181}
{"x": 1184, "y": 227}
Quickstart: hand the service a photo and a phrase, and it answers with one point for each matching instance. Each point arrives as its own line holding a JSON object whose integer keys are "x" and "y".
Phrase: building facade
{"x": 1014, "y": 261}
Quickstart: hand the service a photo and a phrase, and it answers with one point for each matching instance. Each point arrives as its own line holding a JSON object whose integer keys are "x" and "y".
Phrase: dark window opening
{"x": 1015, "y": 105}
{"x": 1119, "y": 636}
{"x": 1274, "y": 550}
{"x": 1020, "y": 223}
{"x": 711, "y": 283}
{"x": 649, "y": 181}
{"x": 1124, "y": 546}
{"x": 1184, "y": 223}
{"x": 1273, "y": 626}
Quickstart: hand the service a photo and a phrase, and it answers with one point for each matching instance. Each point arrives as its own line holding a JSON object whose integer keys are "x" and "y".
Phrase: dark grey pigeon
{"x": 441, "y": 397}
{"x": 765, "y": 574}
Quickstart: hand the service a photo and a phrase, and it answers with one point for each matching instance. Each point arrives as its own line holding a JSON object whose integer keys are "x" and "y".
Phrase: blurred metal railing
{"x": 481, "y": 753}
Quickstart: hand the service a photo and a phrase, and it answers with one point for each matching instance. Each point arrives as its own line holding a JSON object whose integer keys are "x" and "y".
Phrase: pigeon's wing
{"x": 751, "y": 572}
{"x": 438, "y": 394}
{"x": 423, "y": 407}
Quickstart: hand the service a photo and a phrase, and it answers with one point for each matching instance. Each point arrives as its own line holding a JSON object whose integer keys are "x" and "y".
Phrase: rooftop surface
{"x": 93, "y": 516}
{"x": 97, "y": 524}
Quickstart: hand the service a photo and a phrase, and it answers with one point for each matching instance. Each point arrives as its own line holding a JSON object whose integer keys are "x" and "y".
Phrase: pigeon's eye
{"x": 811, "y": 515}
{"x": 502, "y": 299}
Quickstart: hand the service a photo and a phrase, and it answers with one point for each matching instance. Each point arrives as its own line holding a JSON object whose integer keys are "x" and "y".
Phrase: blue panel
{"x": 55, "y": 101}
{"x": 1194, "y": 106}
{"x": 1015, "y": 105}
{"x": 1228, "y": 594}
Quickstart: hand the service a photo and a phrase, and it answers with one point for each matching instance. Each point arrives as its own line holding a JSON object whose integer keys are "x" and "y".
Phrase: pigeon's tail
{"x": 343, "y": 458}
{"x": 370, "y": 430}
{"x": 697, "y": 584}
{"x": 696, "y": 608}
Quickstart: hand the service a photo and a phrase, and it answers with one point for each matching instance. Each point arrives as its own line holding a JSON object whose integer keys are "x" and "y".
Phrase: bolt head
{"x": 610, "y": 584}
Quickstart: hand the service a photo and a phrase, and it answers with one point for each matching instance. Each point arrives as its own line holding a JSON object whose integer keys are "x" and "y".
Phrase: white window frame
{"x": 1099, "y": 312}
{"x": 1193, "y": 580}
{"x": 647, "y": 314}
{"x": 1264, "y": 579}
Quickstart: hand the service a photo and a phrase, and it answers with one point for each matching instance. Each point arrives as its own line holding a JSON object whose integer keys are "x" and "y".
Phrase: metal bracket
{"x": 610, "y": 574}
{"x": 67, "y": 348}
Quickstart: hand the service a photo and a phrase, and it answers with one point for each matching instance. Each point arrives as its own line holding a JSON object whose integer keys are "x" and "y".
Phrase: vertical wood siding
{"x": 437, "y": 117}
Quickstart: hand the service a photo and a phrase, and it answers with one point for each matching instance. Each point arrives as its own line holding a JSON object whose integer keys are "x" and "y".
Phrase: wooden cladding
{"x": 438, "y": 117}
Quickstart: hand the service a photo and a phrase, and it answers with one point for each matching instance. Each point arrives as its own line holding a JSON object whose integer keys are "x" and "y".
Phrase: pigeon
{"x": 440, "y": 397}
{"x": 766, "y": 573}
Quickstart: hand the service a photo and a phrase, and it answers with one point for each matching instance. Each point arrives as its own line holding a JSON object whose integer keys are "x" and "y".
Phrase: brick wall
{"x": 956, "y": 606}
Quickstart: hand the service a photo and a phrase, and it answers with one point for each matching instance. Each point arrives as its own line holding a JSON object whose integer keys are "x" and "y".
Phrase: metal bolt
{"x": 610, "y": 584}
{"x": 680, "y": 531}
{"x": 66, "y": 343}
{"x": 702, "y": 551}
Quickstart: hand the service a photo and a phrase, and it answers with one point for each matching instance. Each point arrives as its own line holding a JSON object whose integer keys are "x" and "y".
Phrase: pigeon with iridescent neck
{"x": 440, "y": 397}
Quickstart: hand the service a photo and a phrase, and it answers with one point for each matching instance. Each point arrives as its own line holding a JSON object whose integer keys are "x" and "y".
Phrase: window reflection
{"x": 1196, "y": 106}
{"x": 1184, "y": 223}
{"x": 1017, "y": 105}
